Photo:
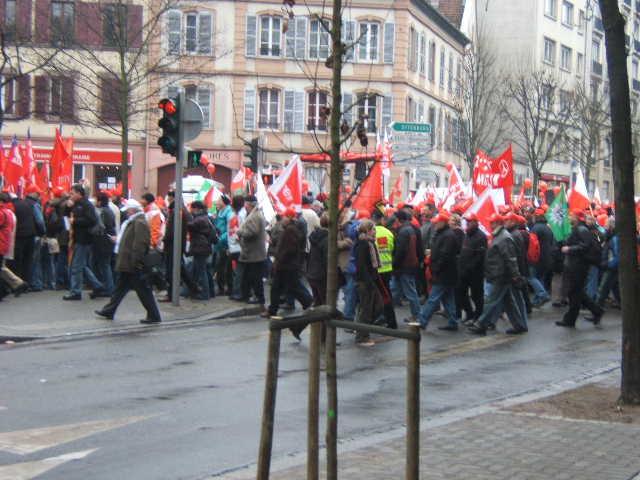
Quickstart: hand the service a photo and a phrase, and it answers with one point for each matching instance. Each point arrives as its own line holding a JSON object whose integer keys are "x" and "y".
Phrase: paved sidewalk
{"x": 497, "y": 445}
{"x": 45, "y": 314}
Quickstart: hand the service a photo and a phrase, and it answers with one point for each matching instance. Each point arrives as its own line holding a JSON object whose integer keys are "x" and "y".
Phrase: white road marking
{"x": 29, "y": 470}
{"x": 23, "y": 442}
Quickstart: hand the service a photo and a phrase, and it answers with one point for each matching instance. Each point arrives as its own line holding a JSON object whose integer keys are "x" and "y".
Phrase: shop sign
{"x": 84, "y": 156}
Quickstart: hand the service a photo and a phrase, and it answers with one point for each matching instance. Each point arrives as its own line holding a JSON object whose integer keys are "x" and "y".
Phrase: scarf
{"x": 373, "y": 250}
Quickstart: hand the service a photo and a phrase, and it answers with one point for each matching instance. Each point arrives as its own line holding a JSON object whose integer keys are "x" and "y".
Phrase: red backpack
{"x": 533, "y": 252}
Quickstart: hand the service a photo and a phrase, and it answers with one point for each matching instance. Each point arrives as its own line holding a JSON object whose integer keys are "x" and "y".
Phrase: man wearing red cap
{"x": 578, "y": 258}
{"x": 471, "y": 269}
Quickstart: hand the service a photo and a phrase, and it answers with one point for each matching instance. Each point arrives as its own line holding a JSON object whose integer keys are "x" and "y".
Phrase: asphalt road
{"x": 186, "y": 403}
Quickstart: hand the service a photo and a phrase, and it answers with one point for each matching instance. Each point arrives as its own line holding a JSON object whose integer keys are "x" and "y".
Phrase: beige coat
{"x": 253, "y": 238}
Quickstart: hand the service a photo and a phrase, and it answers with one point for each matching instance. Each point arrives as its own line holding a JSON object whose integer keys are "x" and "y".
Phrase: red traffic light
{"x": 167, "y": 106}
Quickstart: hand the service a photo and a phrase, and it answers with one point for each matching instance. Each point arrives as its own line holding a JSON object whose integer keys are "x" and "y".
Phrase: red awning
{"x": 346, "y": 157}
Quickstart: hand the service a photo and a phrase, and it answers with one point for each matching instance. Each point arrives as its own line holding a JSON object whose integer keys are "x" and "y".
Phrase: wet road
{"x": 186, "y": 404}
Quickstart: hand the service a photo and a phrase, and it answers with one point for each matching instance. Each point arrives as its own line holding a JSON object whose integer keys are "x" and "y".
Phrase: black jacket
{"x": 202, "y": 235}
{"x": 474, "y": 248}
{"x": 84, "y": 218}
{"x": 289, "y": 249}
{"x": 103, "y": 245}
{"x": 25, "y": 218}
{"x": 445, "y": 248}
{"x": 578, "y": 242}
{"x": 547, "y": 242}
{"x": 317, "y": 266}
{"x": 522, "y": 245}
{"x": 408, "y": 254}
{"x": 501, "y": 264}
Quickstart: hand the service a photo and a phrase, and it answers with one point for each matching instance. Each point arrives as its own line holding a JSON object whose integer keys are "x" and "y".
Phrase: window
{"x": 443, "y": 57}
{"x": 54, "y": 102}
{"x": 423, "y": 53}
{"x": 270, "y": 36}
{"x": 268, "y": 107}
{"x": 564, "y": 100}
{"x": 319, "y": 39}
{"x": 579, "y": 64}
{"x": 565, "y": 58}
{"x": 411, "y": 112}
{"x": 62, "y": 24}
{"x": 634, "y": 69}
{"x": 607, "y": 157}
{"x": 432, "y": 61}
{"x": 549, "y": 51}
{"x": 605, "y": 188}
{"x": 9, "y": 20}
{"x": 317, "y": 113}
{"x": 550, "y": 7}
{"x": 595, "y": 50}
{"x": 413, "y": 49}
{"x": 368, "y": 42}
{"x": 432, "y": 122}
{"x": 109, "y": 100}
{"x": 581, "y": 22}
{"x": 194, "y": 37}
{"x": 595, "y": 89}
{"x": 547, "y": 97}
{"x": 450, "y": 77}
{"x": 114, "y": 24}
{"x": 366, "y": 106}
{"x": 174, "y": 32}
{"x": 458, "y": 78}
{"x": 202, "y": 96}
{"x": 9, "y": 97}
{"x": 567, "y": 14}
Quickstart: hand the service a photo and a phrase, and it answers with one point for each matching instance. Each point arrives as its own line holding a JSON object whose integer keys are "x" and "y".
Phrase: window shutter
{"x": 389, "y": 40}
{"x": 250, "y": 108}
{"x": 298, "y": 112}
{"x": 68, "y": 99}
{"x": 134, "y": 25}
{"x": 204, "y": 100}
{"x": 174, "y": 32}
{"x": 251, "y": 38}
{"x": 387, "y": 111}
{"x": 348, "y": 37}
{"x": 289, "y": 110}
{"x": 301, "y": 37}
{"x": 88, "y": 24}
{"x": 24, "y": 96}
{"x": 347, "y": 108}
{"x": 23, "y": 20}
{"x": 204, "y": 33}
{"x": 43, "y": 14}
{"x": 42, "y": 92}
{"x": 290, "y": 39}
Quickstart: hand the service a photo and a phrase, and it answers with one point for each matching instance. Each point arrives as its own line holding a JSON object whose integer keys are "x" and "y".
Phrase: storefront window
{"x": 107, "y": 176}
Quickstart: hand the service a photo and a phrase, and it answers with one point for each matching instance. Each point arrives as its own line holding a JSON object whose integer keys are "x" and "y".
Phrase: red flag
{"x": 503, "y": 169}
{"x": 28, "y": 163}
{"x": 61, "y": 162}
{"x": 396, "y": 192}
{"x": 42, "y": 177}
{"x": 3, "y": 159}
{"x": 13, "y": 168}
{"x": 484, "y": 207}
{"x": 370, "y": 191}
{"x": 493, "y": 172}
{"x": 286, "y": 191}
{"x": 579, "y": 197}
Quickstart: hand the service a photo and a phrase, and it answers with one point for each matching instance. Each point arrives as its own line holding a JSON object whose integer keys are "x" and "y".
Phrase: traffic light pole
{"x": 177, "y": 206}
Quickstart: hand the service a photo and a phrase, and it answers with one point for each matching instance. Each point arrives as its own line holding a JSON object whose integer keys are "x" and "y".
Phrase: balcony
{"x": 636, "y": 85}
{"x": 597, "y": 24}
{"x": 596, "y": 68}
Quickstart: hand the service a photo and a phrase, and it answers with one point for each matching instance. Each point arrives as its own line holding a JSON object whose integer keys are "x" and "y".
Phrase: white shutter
{"x": 174, "y": 32}
{"x": 290, "y": 39}
{"x": 387, "y": 112}
{"x": 301, "y": 37}
{"x": 249, "y": 109}
{"x": 347, "y": 108}
{"x": 204, "y": 33}
{"x": 389, "y": 40}
{"x": 251, "y": 37}
{"x": 204, "y": 100}
{"x": 298, "y": 112}
{"x": 289, "y": 110}
{"x": 348, "y": 37}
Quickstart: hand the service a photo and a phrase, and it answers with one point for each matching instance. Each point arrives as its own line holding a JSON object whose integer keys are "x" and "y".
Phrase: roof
{"x": 440, "y": 20}
{"x": 452, "y": 11}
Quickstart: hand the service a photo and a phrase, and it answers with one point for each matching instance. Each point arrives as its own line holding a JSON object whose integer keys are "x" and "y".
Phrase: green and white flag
{"x": 558, "y": 217}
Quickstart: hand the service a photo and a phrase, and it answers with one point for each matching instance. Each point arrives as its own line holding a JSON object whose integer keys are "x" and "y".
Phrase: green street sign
{"x": 411, "y": 127}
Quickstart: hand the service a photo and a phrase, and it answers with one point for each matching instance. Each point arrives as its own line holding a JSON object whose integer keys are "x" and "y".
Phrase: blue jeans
{"x": 591, "y": 287}
{"x": 104, "y": 272}
{"x": 405, "y": 284}
{"x": 200, "y": 276}
{"x": 502, "y": 298}
{"x": 439, "y": 293}
{"x": 80, "y": 268}
{"x": 535, "y": 280}
{"x": 37, "y": 282}
{"x": 350, "y": 296}
{"x": 62, "y": 267}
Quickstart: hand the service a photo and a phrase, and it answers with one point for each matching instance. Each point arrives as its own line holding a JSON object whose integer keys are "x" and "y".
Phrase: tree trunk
{"x": 623, "y": 177}
{"x": 124, "y": 157}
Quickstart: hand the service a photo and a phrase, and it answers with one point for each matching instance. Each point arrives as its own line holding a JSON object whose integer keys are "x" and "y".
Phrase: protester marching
{"x": 473, "y": 252}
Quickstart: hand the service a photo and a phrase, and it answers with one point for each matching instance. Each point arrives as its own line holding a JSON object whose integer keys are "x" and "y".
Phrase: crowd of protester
{"x": 435, "y": 261}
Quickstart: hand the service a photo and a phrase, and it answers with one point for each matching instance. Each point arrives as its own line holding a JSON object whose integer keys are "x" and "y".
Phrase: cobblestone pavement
{"x": 501, "y": 446}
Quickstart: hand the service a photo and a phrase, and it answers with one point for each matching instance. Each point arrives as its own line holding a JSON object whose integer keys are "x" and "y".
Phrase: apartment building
{"x": 265, "y": 76}
{"x": 565, "y": 37}
{"x": 69, "y": 90}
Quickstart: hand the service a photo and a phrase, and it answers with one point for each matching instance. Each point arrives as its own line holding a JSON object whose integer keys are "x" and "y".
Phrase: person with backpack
{"x": 540, "y": 257}
{"x": 202, "y": 237}
{"x": 579, "y": 252}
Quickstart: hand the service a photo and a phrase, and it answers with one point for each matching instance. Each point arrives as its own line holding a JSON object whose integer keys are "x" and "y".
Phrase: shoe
{"x": 559, "y": 304}
{"x": 104, "y": 315}
{"x": 72, "y": 296}
{"x": 165, "y": 300}
{"x": 409, "y": 320}
{"x": 365, "y": 343}
{"x": 265, "y": 314}
{"x": 150, "y": 320}
{"x": 491, "y": 327}
{"x": 516, "y": 331}
{"x": 540, "y": 303}
{"x": 562, "y": 323}
{"x": 98, "y": 294}
{"x": 477, "y": 329}
{"x": 254, "y": 301}
{"x": 21, "y": 289}
{"x": 449, "y": 328}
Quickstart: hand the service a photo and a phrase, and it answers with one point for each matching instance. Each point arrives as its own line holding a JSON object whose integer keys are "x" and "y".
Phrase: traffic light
{"x": 170, "y": 125}
{"x": 252, "y": 154}
{"x": 193, "y": 158}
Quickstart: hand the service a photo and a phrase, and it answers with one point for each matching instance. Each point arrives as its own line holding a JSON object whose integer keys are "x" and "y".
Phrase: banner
{"x": 61, "y": 162}
{"x": 14, "y": 168}
{"x": 486, "y": 205}
{"x": 493, "y": 172}
{"x": 370, "y": 192}
{"x": 286, "y": 191}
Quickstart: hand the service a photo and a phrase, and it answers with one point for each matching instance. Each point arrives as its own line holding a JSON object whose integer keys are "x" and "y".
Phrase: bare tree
{"x": 537, "y": 122}
{"x": 479, "y": 103}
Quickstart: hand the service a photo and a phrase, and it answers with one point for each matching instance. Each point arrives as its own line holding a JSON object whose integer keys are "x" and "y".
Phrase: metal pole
{"x": 313, "y": 402}
{"x": 269, "y": 405}
{"x": 413, "y": 405}
{"x": 177, "y": 207}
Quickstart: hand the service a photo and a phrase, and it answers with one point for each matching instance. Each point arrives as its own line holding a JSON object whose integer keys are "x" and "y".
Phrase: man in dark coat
{"x": 202, "y": 237}
{"x": 444, "y": 268}
{"x": 132, "y": 246}
{"x": 471, "y": 269}
{"x": 103, "y": 244}
{"x": 576, "y": 264}
{"x": 539, "y": 271}
{"x": 22, "y": 263}
{"x": 317, "y": 265}
{"x": 407, "y": 257}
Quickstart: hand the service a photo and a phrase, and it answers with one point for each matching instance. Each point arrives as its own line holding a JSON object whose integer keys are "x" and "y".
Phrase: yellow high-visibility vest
{"x": 385, "y": 242}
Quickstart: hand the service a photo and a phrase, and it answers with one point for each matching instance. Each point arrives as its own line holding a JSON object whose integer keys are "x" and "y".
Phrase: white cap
{"x": 131, "y": 204}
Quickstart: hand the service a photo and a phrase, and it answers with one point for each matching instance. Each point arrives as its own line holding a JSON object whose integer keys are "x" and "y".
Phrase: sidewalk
{"x": 45, "y": 314}
{"x": 497, "y": 443}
